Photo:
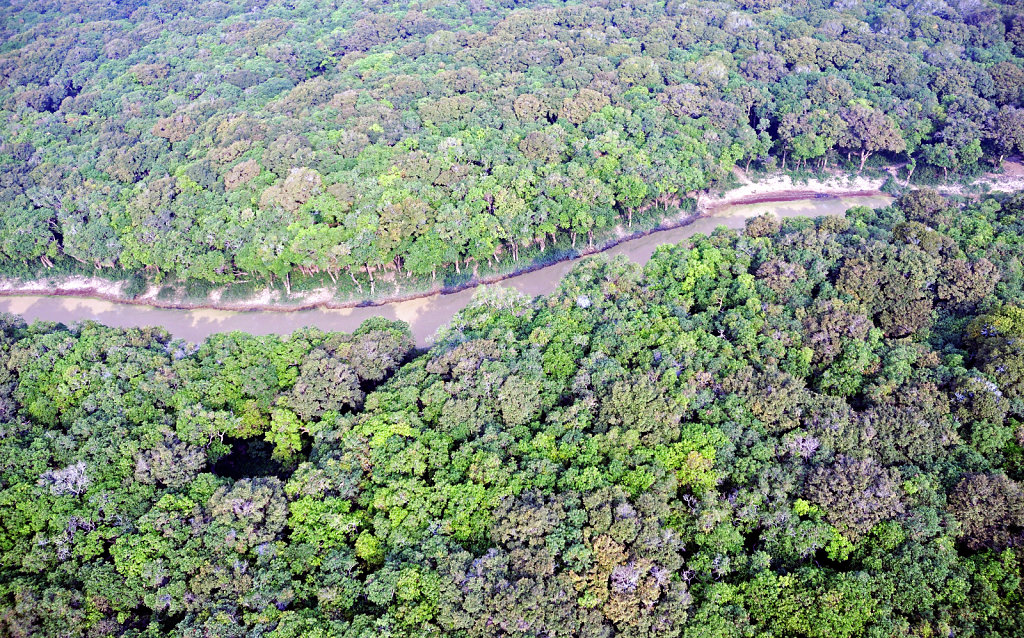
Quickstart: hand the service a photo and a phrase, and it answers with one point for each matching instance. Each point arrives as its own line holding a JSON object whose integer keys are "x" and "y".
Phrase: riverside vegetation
{"x": 805, "y": 428}
{"x": 262, "y": 141}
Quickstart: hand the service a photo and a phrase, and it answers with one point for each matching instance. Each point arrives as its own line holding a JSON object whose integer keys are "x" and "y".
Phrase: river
{"x": 424, "y": 315}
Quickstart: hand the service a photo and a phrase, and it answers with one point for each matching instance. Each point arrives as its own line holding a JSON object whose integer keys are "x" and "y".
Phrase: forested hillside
{"x": 805, "y": 429}
{"x": 261, "y": 140}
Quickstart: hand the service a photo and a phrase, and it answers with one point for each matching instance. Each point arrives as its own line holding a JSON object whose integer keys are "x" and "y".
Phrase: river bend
{"x": 424, "y": 315}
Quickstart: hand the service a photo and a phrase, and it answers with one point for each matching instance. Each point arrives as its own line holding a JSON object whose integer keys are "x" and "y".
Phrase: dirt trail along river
{"x": 424, "y": 315}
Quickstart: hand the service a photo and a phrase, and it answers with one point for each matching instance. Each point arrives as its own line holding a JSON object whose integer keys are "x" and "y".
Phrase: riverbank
{"x": 761, "y": 189}
{"x": 771, "y": 190}
{"x": 425, "y": 315}
{"x": 781, "y": 188}
{"x": 1009, "y": 179}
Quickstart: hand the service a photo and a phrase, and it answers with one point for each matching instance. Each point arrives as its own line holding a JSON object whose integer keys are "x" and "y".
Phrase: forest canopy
{"x": 256, "y": 139}
{"x": 806, "y": 428}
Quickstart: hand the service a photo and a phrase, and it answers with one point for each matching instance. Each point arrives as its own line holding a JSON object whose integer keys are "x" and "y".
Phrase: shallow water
{"x": 424, "y": 315}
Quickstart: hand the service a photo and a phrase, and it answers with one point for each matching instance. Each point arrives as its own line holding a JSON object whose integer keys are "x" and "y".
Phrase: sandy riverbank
{"x": 761, "y": 188}
{"x": 776, "y": 188}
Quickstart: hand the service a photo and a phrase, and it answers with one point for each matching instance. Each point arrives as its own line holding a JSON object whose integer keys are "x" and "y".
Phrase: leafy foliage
{"x": 264, "y": 140}
{"x": 704, "y": 446}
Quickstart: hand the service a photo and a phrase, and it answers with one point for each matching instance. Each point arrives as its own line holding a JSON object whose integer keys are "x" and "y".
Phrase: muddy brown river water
{"x": 424, "y": 315}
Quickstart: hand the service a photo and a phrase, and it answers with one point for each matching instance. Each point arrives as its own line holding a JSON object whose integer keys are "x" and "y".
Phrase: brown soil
{"x": 794, "y": 195}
